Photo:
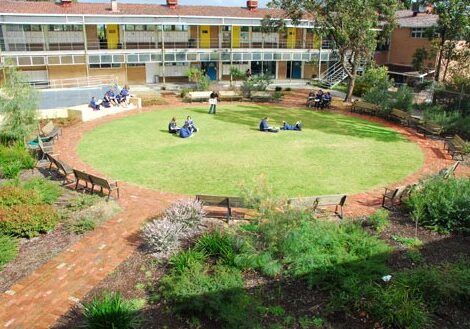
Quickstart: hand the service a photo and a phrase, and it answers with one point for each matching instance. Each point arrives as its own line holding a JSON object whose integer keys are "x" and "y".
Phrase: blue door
{"x": 212, "y": 70}
{"x": 296, "y": 70}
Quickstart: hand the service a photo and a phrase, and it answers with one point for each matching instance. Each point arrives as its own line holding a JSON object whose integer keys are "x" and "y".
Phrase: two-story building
{"x": 146, "y": 43}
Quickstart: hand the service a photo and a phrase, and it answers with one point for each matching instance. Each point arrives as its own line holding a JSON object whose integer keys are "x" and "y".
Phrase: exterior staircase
{"x": 336, "y": 74}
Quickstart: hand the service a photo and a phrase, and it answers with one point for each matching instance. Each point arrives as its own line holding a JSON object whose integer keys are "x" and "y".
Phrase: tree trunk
{"x": 439, "y": 60}
{"x": 352, "y": 82}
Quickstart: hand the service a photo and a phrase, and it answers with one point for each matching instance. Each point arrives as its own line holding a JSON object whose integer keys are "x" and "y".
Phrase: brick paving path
{"x": 39, "y": 299}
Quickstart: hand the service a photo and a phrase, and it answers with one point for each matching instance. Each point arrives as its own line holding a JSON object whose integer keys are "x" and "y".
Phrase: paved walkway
{"x": 38, "y": 300}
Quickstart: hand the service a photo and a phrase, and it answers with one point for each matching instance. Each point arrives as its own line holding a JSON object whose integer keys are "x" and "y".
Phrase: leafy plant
{"x": 256, "y": 83}
{"x": 217, "y": 245}
{"x": 11, "y": 196}
{"x": 186, "y": 259}
{"x": 403, "y": 99}
{"x": 28, "y": 220}
{"x": 379, "y": 220}
{"x": 8, "y": 249}
{"x": 111, "y": 311}
{"x": 409, "y": 242}
{"x": 442, "y": 204}
{"x": 82, "y": 201}
{"x": 82, "y": 226}
{"x": 11, "y": 169}
{"x": 189, "y": 212}
{"x": 47, "y": 190}
{"x": 162, "y": 237}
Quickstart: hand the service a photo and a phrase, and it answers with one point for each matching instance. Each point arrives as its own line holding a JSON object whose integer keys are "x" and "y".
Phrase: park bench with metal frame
{"x": 227, "y": 202}
{"x": 315, "y": 202}
{"x": 62, "y": 168}
{"x": 455, "y": 146}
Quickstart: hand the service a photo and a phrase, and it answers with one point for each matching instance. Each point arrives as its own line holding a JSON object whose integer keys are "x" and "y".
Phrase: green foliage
{"x": 256, "y": 83}
{"x": 185, "y": 91}
{"x": 237, "y": 74}
{"x": 18, "y": 105}
{"x": 111, "y": 311}
{"x": 216, "y": 294}
{"x": 196, "y": 75}
{"x": 186, "y": 259}
{"x": 25, "y": 220}
{"x": 217, "y": 245}
{"x": 13, "y": 159}
{"x": 450, "y": 120}
{"x": 403, "y": 99}
{"x": 278, "y": 88}
{"x": 8, "y": 249}
{"x": 11, "y": 196}
{"x": 264, "y": 262}
{"x": 47, "y": 190}
{"x": 414, "y": 256}
{"x": 379, "y": 220}
{"x": 442, "y": 204}
{"x": 419, "y": 60}
{"x": 82, "y": 226}
{"x": 409, "y": 242}
{"x": 375, "y": 83}
{"x": 82, "y": 201}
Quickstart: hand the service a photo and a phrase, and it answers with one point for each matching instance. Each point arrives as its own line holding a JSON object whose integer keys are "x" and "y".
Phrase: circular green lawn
{"x": 333, "y": 153}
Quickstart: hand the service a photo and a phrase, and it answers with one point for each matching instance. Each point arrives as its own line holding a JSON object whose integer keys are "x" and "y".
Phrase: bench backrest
{"x": 199, "y": 94}
{"x": 220, "y": 201}
{"x": 59, "y": 164}
{"x": 81, "y": 175}
{"x": 260, "y": 94}
{"x": 400, "y": 114}
{"x": 100, "y": 181}
{"x": 433, "y": 126}
{"x": 459, "y": 140}
{"x": 365, "y": 105}
{"x": 228, "y": 93}
{"x": 307, "y": 202}
{"x": 332, "y": 200}
{"x": 48, "y": 128}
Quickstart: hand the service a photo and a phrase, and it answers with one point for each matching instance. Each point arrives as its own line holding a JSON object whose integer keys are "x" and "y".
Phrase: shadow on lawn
{"x": 326, "y": 122}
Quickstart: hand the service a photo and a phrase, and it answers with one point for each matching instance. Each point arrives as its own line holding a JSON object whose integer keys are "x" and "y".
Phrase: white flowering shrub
{"x": 189, "y": 212}
{"x": 163, "y": 237}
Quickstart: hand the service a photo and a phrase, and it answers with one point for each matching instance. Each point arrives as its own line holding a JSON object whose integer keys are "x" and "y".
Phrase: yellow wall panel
{"x": 236, "y": 36}
{"x": 112, "y": 35}
{"x": 205, "y": 36}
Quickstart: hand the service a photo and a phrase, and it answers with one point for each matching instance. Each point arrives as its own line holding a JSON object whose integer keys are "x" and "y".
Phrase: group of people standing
{"x": 111, "y": 99}
{"x": 184, "y": 132}
{"x": 319, "y": 99}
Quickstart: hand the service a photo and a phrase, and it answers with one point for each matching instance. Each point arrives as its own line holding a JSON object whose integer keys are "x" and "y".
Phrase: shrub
{"x": 11, "y": 170}
{"x": 375, "y": 77}
{"x": 404, "y": 99}
{"x": 278, "y": 88}
{"x": 188, "y": 212}
{"x": 162, "y": 237}
{"x": 82, "y": 201}
{"x": 11, "y": 196}
{"x": 263, "y": 262}
{"x": 8, "y": 249}
{"x": 288, "y": 89}
{"x": 256, "y": 83}
{"x": 379, "y": 220}
{"x": 111, "y": 311}
{"x": 442, "y": 204}
{"x": 48, "y": 191}
{"x": 185, "y": 91}
{"x": 186, "y": 259}
{"x": 27, "y": 220}
{"x": 446, "y": 119}
{"x": 82, "y": 226}
{"x": 16, "y": 153}
{"x": 409, "y": 242}
{"x": 217, "y": 245}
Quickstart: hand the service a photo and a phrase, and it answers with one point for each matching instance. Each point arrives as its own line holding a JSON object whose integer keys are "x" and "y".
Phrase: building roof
{"x": 405, "y": 18}
{"x": 24, "y": 7}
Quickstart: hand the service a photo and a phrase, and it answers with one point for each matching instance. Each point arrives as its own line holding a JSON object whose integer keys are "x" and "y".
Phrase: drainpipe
{"x": 319, "y": 57}
{"x": 85, "y": 46}
{"x": 163, "y": 57}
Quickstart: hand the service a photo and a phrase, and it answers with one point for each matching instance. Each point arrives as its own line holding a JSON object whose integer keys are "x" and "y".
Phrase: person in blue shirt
{"x": 326, "y": 100}
{"x": 287, "y": 126}
{"x": 110, "y": 98}
{"x": 263, "y": 126}
{"x": 94, "y": 104}
{"x": 124, "y": 95}
{"x": 185, "y": 132}
{"x": 189, "y": 123}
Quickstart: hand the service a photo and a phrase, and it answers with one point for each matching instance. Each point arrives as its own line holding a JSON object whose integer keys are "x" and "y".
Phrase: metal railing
{"x": 80, "y": 82}
{"x": 15, "y": 45}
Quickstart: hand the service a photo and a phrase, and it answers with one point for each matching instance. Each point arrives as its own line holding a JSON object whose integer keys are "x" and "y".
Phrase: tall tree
{"x": 354, "y": 25}
{"x": 18, "y": 106}
{"x": 453, "y": 26}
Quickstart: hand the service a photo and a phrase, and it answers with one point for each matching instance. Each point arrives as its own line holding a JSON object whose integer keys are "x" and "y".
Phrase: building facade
{"x": 153, "y": 43}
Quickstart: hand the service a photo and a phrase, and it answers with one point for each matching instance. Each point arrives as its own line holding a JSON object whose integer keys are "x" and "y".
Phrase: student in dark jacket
{"x": 173, "y": 126}
{"x": 264, "y": 126}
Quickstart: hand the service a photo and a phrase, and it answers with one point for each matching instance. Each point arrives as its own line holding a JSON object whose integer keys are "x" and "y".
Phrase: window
{"x": 140, "y": 27}
{"x": 14, "y": 28}
{"x": 418, "y": 32}
{"x": 32, "y": 28}
{"x": 178, "y": 28}
{"x": 61, "y": 28}
{"x": 226, "y": 28}
{"x": 256, "y": 29}
{"x": 104, "y": 66}
{"x": 245, "y": 29}
{"x": 129, "y": 28}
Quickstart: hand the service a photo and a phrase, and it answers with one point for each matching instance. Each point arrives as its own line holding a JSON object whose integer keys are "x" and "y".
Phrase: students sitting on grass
{"x": 173, "y": 126}
{"x": 185, "y": 132}
{"x": 189, "y": 123}
{"x": 263, "y": 126}
{"x": 95, "y": 104}
{"x": 287, "y": 126}
{"x": 319, "y": 99}
{"x": 311, "y": 99}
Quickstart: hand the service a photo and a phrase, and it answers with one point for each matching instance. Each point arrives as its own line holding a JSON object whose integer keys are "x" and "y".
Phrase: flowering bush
{"x": 163, "y": 237}
{"x": 189, "y": 212}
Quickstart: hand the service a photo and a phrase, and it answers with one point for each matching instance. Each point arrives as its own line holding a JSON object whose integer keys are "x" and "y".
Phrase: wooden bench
{"x": 227, "y": 202}
{"x": 449, "y": 171}
{"x": 364, "y": 107}
{"x": 312, "y": 203}
{"x": 197, "y": 96}
{"x": 95, "y": 181}
{"x": 261, "y": 96}
{"x": 44, "y": 147}
{"x": 61, "y": 167}
{"x": 396, "y": 195}
{"x": 456, "y": 146}
{"x": 229, "y": 95}
{"x": 49, "y": 131}
{"x": 403, "y": 117}
{"x": 430, "y": 128}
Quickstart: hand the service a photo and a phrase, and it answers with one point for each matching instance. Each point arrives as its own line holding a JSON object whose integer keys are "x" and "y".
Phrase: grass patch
{"x": 409, "y": 242}
{"x": 47, "y": 191}
{"x": 229, "y": 150}
{"x": 8, "y": 249}
{"x": 82, "y": 226}
{"x": 379, "y": 220}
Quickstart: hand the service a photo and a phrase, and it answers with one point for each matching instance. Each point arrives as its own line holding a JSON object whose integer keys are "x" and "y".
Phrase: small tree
{"x": 236, "y": 74}
{"x": 18, "y": 106}
{"x": 404, "y": 99}
{"x": 197, "y": 76}
{"x": 377, "y": 82}
{"x": 420, "y": 57}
